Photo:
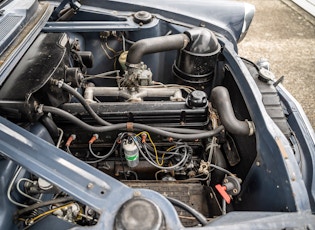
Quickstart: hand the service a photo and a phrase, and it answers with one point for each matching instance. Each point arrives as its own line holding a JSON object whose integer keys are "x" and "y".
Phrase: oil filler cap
{"x": 197, "y": 99}
{"x": 140, "y": 214}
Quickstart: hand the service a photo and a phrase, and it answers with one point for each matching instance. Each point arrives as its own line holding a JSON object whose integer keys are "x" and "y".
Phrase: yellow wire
{"x": 155, "y": 151}
{"x": 167, "y": 150}
{"x": 111, "y": 49}
{"x": 170, "y": 148}
{"x": 153, "y": 145}
{"x": 49, "y": 212}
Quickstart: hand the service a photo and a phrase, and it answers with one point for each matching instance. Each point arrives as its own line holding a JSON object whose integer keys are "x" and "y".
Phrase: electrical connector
{"x": 93, "y": 138}
{"x": 70, "y": 139}
{"x": 143, "y": 137}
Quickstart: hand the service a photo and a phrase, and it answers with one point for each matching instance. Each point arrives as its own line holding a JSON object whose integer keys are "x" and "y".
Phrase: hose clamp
{"x": 60, "y": 83}
{"x": 39, "y": 109}
{"x": 129, "y": 126}
{"x": 136, "y": 66}
{"x": 251, "y": 127}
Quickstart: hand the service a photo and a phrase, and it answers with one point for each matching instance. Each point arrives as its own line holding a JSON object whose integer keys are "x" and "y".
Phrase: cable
{"x": 60, "y": 137}
{"x": 153, "y": 145}
{"x": 162, "y": 152}
{"x": 10, "y": 188}
{"x": 158, "y": 172}
{"x": 44, "y": 203}
{"x": 211, "y": 147}
{"x": 133, "y": 173}
{"x": 23, "y": 193}
{"x": 222, "y": 169}
{"x": 124, "y": 126}
{"x": 76, "y": 57}
{"x": 103, "y": 75}
{"x": 106, "y": 53}
{"x": 201, "y": 218}
{"x": 195, "y": 178}
{"x": 71, "y": 138}
{"x": 48, "y": 212}
{"x": 216, "y": 199}
{"x": 127, "y": 40}
{"x": 223, "y": 207}
{"x": 157, "y": 166}
{"x": 254, "y": 64}
{"x": 81, "y": 99}
{"x": 104, "y": 156}
{"x": 124, "y": 42}
{"x": 172, "y": 153}
{"x": 122, "y": 161}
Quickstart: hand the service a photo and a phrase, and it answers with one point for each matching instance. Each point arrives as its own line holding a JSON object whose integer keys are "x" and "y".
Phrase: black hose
{"x": 44, "y": 203}
{"x": 220, "y": 99}
{"x": 201, "y": 218}
{"x": 123, "y": 126}
{"x": 78, "y": 122}
{"x": 183, "y": 136}
{"x": 50, "y": 126}
{"x": 88, "y": 108}
{"x": 154, "y": 45}
{"x": 181, "y": 130}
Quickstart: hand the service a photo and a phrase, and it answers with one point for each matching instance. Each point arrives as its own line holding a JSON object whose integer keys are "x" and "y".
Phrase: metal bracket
{"x": 73, "y": 4}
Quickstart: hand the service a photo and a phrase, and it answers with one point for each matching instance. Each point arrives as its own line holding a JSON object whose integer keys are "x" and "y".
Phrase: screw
{"x": 90, "y": 185}
{"x": 136, "y": 193}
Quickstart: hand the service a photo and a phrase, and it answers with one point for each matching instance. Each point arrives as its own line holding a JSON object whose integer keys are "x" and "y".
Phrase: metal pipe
{"x": 154, "y": 45}
{"x": 220, "y": 99}
{"x": 174, "y": 93}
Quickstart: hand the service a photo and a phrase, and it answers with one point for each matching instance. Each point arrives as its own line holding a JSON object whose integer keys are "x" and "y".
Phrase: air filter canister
{"x": 195, "y": 64}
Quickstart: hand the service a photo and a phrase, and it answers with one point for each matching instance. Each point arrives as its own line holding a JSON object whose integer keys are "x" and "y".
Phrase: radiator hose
{"x": 220, "y": 99}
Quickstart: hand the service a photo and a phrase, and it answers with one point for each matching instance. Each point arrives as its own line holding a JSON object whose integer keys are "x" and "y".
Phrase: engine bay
{"x": 157, "y": 108}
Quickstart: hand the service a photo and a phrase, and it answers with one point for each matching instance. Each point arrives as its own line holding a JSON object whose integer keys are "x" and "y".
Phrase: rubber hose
{"x": 220, "y": 99}
{"x": 137, "y": 126}
{"x": 181, "y": 130}
{"x": 78, "y": 122}
{"x": 201, "y": 218}
{"x": 50, "y": 126}
{"x": 154, "y": 45}
{"x": 87, "y": 107}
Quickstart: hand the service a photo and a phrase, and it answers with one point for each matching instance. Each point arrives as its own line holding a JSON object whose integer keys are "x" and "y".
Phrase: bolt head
{"x": 90, "y": 185}
{"x": 137, "y": 193}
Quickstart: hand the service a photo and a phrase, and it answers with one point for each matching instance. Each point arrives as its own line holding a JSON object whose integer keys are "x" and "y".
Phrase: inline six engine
{"x": 158, "y": 110}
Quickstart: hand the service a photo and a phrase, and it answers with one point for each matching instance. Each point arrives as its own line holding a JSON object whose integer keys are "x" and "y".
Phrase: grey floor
{"x": 285, "y": 34}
